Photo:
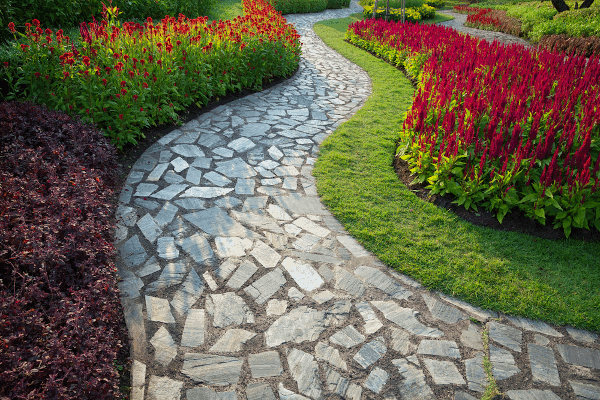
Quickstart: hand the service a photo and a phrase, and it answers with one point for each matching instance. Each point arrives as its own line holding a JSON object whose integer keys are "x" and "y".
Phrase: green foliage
{"x": 412, "y": 14}
{"x": 299, "y": 6}
{"x": 437, "y": 4}
{"x": 393, "y": 3}
{"x": 332, "y": 4}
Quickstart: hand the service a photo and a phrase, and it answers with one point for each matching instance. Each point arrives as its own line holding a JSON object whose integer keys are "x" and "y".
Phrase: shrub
{"x": 393, "y": 3}
{"x": 333, "y": 4}
{"x": 575, "y": 23}
{"x": 437, "y": 4}
{"x": 60, "y": 313}
{"x": 298, "y": 6}
{"x": 498, "y": 127}
{"x": 155, "y": 69}
{"x": 581, "y": 46}
{"x": 412, "y": 14}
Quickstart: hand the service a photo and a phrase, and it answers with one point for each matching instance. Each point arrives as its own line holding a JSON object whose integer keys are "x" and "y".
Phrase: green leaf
{"x": 579, "y": 219}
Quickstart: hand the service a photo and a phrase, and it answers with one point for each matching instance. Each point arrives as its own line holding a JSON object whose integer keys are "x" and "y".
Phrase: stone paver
{"x": 237, "y": 282}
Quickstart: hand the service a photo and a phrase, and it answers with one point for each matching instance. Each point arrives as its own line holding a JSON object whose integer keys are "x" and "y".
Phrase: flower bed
{"x": 490, "y": 19}
{"x": 581, "y": 46}
{"x": 127, "y": 77}
{"x": 307, "y": 6}
{"x": 60, "y": 312}
{"x": 411, "y": 14}
{"x": 498, "y": 127}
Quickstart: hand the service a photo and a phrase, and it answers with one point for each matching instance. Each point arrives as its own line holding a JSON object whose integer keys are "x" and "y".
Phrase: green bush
{"x": 338, "y": 3}
{"x": 437, "y": 4}
{"x": 575, "y": 23}
{"x": 412, "y": 14}
{"x": 299, "y": 6}
{"x": 393, "y": 3}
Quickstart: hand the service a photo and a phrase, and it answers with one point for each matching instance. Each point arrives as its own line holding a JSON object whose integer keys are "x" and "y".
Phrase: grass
{"x": 556, "y": 281}
{"x": 226, "y": 9}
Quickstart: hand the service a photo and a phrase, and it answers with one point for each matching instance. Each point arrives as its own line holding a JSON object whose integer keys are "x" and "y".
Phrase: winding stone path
{"x": 237, "y": 283}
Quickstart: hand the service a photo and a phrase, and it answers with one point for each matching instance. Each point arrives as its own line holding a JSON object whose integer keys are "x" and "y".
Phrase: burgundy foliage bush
{"x": 60, "y": 315}
{"x": 581, "y": 46}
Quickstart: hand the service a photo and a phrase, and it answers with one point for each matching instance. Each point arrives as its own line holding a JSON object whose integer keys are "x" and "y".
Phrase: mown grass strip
{"x": 556, "y": 281}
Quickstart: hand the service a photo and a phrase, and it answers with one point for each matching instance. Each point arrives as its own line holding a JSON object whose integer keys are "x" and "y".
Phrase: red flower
{"x": 135, "y": 97}
{"x": 131, "y": 73}
{"x": 47, "y": 77}
{"x": 51, "y": 50}
{"x": 123, "y": 83}
{"x": 104, "y": 109}
{"x": 104, "y": 82}
{"x": 11, "y": 26}
{"x": 121, "y": 117}
{"x": 70, "y": 107}
{"x": 159, "y": 62}
{"x": 145, "y": 85}
{"x": 37, "y": 74}
{"x": 124, "y": 91}
{"x": 66, "y": 74}
{"x": 5, "y": 64}
{"x": 86, "y": 61}
{"x": 108, "y": 69}
{"x": 48, "y": 31}
{"x": 141, "y": 109}
{"x": 36, "y": 23}
{"x": 116, "y": 55}
{"x": 24, "y": 47}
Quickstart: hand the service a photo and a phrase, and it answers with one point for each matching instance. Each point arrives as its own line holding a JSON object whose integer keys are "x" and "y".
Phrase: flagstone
{"x": 165, "y": 348}
{"x": 163, "y": 388}
{"x": 405, "y": 318}
{"x": 305, "y": 372}
{"x": 305, "y": 276}
{"x": 232, "y": 341}
{"x": 212, "y": 369}
{"x": 194, "y": 328}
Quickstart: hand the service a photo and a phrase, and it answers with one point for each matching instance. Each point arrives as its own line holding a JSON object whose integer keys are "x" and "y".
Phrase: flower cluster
{"x": 498, "y": 126}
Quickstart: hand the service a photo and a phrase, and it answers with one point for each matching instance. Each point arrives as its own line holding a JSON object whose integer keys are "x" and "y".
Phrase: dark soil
{"x": 515, "y": 221}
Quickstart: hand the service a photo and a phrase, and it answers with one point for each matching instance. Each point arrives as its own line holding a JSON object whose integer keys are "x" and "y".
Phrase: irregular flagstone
{"x": 169, "y": 192}
{"x": 347, "y": 282}
{"x": 383, "y": 282}
{"x": 197, "y": 247}
{"x": 353, "y": 246}
{"x": 208, "y": 192}
{"x": 149, "y": 228}
{"x": 442, "y": 348}
{"x": 347, "y": 337}
{"x": 265, "y": 364}
{"x": 241, "y": 275}
{"x": 187, "y": 150}
{"x": 278, "y": 213}
{"x": 543, "y": 364}
{"x": 585, "y": 391}
{"x": 286, "y": 394}
{"x": 165, "y": 348}
{"x": 371, "y": 352}
{"x": 132, "y": 252}
{"x": 299, "y": 325}
{"x": 212, "y": 284}
{"x": 245, "y": 186}
{"x": 259, "y": 391}
{"x": 503, "y": 363}
{"x": 255, "y": 203}
{"x": 235, "y": 168}
{"x": 230, "y": 247}
{"x": 166, "y": 214}
{"x": 304, "y": 275}
{"x": 277, "y": 241}
{"x": 316, "y": 257}
{"x": 295, "y": 294}
{"x": 311, "y": 227}
{"x": 241, "y": 145}
{"x": 354, "y": 392}
{"x": 506, "y": 336}
{"x": 405, "y": 318}
{"x": 258, "y": 221}
{"x": 306, "y": 242}
{"x": 265, "y": 255}
{"x": 472, "y": 338}
{"x": 134, "y": 319}
{"x": 476, "y": 376}
{"x": 194, "y": 329}
{"x": 159, "y": 310}
{"x": 401, "y": 341}
{"x": 335, "y": 382}
{"x": 413, "y": 386}
{"x": 232, "y": 341}
{"x": 276, "y": 307}
{"x": 581, "y": 335}
{"x": 305, "y": 372}
{"x": 138, "y": 380}
{"x": 163, "y": 388}
{"x": 444, "y": 372}
{"x": 225, "y": 269}
{"x": 330, "y": 354}
{"x": 188, "y": 294}
{"x": 441, "y": 311}
{"x": 212, "y": 369}
{"x": 532, "y": 394}
{"x": 298, "y": 204}
{"x": 338, "y": 312}
{"x": 323, "y": 296}
{"x": 536, "y": 326}
{"x": 203, "y": 393}
{"x": 216, "y": 222}
{"x": 582, "y": 356}
{"x": 263, "y": 288}
{"x": 166, "y": 248}
{"x": 227, "y": 309}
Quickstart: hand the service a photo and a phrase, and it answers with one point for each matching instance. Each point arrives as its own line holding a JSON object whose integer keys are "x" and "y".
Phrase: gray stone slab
{"x": 278, "y": 213}
{"x": 166, "y": 249}
{"x": 295, "y": 294}
{"x": 235, "y": 168}
{"x": 135, "y": 177}
{"x": 232, "y": 341}
{"x": 166, "y": 214}
{"x": 210, "y": 140}
{"x": 442, "y": 348}
{"x": 172, "y": 177}
{"x": 163, "y": 388}
{"x": 172, "y": 274}
{"x": 257, "y": 221}
{"x": 169, "y": 192}
{"x": 444, "y": 372}
{"x": 536, "y": 326}
{"x": 413, "y": 386}
{"x": 165, "y": 348}
{"x": 197, "y": 247}
{"x": 275, "y": 153}
{"x": 216, "y": 222}
{"x": 333, "y": 224}
{"x": 254, "y": 129}
{"x": 335, "y": 382}
{"x": 266, "y": 364}
{"x": 581, "y": 335}
{"x": 382, "y": 282}
{"x": 138, "y": 373}
{"x": 245, "y": 186}
{"x": 347, "y": 337}
{"x": 532, "y": 394}
{"x": 174, "y": 134}
{"x": 585, "y": 391}
{"x": 323, "y": 296}
{"x": 503, "y": 363}
{"x": 202, "y": 163}
{"x": 305, "y": 276}
{"x": 241, "y": 275}
{"x": 371, "y": 352}
{"x": 255, "y": 203}
{"x": 265, "y": 255}
{"x": 543, "y": 364}
{"x": 188, "y": 137}
{"x": 188, "y": 293}
{"x": 476, "y": 376}
{"x": 227, "y": 309}
{"x": 401, "y": 341}
{"x": 241, "y": 145}
{"x": 126, "y": 215}
{"x": 225, "y": 269}
{"x": 212, "y": 369}
{"x": 230, "y": 247}
{"x": 354, "y": 392}
{"x": 506, "y": 336}
{"x": 263, "y": 288}
{"x": 149, "y": 228}
{"x": 298, "y": 204}
{"x": 353, "y": 246}
{"x": 581, "y": 356}
{"x": 209, "y": 192}
{"x": 190, "y": 203}
{"x": 331, "y": 355}
{"x": 299, "y": 325}
{"x": 405, "y": 318}
{"x": 228, "y": 202}
{"x": 348, "y": 283}
{"x": 291, "y": 183}
{"x": 443, "y": 312}
{"x": 316, "y": 257}
{"x": 149, "y": 204}
{"x": 134, "y": 319}
{"x": 187, "y": 150}
{"x": 159, "y": 310}
{"x": 305, "y": 371}
{"x": 217, "y": 179}
{"x": 471, "y": 337}
{"x": 286, "y": 394}
{"x": 306, "y": 242}
{"x": 194, "y": 328}
{"x": 146, "y": 163}
{"x": 193, "y": 175}
{"x": 259, "y": 391}
{"x": 204, "y": 393}
{"x": 130, "y": 284}
{"x": 179, "y": 164}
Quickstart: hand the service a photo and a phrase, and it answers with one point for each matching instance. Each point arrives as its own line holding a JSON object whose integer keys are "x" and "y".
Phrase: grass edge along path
{"x": 555, "y": 281}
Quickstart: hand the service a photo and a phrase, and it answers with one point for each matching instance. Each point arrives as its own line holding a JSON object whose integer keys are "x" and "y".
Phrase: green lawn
{"x": 556, "y": 281}
{"x": 226, "y": 9}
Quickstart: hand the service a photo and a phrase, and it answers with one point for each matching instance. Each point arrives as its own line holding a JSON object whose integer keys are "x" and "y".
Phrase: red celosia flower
{"x": 5, "y": 64}
{"x": 104, "y": 82}
{"x": 124, "y": 91}
{"x": 24, "y": 47}
{"x": 36, "y": 23}
{"x": 145, "y": 85}
{"x": 135, "y": 97}
{"x": 121, "y": 116}
{"x": 37, "y": 74}
{"x": 66, "y": 74}
{"x": 47, "y": 77}
{"x": 86, "y": 61}
{"x": 123, "y": 83}
{"x": 11, "y": 26}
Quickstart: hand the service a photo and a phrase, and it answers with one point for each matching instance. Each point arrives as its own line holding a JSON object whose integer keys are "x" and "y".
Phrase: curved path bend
{"x": 237, "y": 283}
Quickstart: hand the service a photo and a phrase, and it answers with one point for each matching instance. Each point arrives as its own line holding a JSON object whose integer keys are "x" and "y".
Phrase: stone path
{"x": 238, "y": 284}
